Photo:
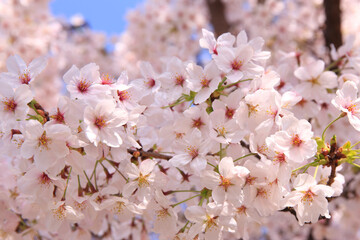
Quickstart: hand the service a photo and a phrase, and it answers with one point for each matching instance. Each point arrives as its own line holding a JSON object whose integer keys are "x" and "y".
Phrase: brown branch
{"x": 217, "y": 17}
{"x": 141, "y": 153}
{"x": 290, "y": 210}
{"x": 332, "y": 175}
{"x": 293, "y": 212}
{"x": 247, "y": 146}
{"x": 332, "y": 32}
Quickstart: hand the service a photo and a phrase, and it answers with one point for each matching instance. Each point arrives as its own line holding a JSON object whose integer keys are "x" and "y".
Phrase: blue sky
{"x": 102, "y": 15}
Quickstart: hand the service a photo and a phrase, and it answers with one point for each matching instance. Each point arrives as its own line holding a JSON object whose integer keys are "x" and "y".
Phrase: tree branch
{"x": 217, "y": 17}
{"x": 141, "y": 153}
{"x": 332, "y": 32}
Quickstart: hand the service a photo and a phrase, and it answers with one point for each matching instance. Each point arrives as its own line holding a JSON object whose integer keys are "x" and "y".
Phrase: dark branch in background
{"x": 247, "y": 146}
{"x": 141, "y": 153}
{"x": 217, "y": 17}
{"x": 332, "y": 31}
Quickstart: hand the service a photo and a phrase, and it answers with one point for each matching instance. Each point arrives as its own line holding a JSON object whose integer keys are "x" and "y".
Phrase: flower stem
{"x": 297, "y": 169}
{"x": 184, "y": 227}
{"x": 67, "y": 183}
{"x": 201, "y": 201}
{"x": 127, "y": 180}
{"x": 233, "y": 84}
{"x": 221, "y": 153}
{"x": 355, "y": 144}
{"x": 340, "y": 116}
{"x": 211, "y": 165}
{"x": 356, "y": 165}
{"x": 316, "y": 170}
{"x": 175, "y": 191}
{"x": 247, "y": 155}
{"x": 94, "y": 174}
{"x": 174, "y": 205}
{"x": 333, "y": 64}
{"x": 89, "y": 182}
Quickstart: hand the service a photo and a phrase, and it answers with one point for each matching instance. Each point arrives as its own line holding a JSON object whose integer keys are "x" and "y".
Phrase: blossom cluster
{"x": 187, "y": 152}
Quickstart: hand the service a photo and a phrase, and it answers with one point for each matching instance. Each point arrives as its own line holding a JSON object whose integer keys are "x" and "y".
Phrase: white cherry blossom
{"x": 19, "y": 73}
{"x": 309, "y": 199}
{"x": 347, "y": 101}
{"x": 45, "y": 143}
{"x": 104, "y": 123}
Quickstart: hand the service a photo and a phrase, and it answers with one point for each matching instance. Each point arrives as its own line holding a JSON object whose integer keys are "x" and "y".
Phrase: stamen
{"x": 179, "y": 80}
{"x": 100, "y": 122}
{"x": 193, "y": 151}
{"x": 229, "y": 113}
{"x": 123, "y": 95}
{"x": 225, "y": 183}
{"x": 9, "y": 105}
{"x": 197, "y": 123}
{"x": 83, "y": 85}
{"x": 25, "y": 77}
{"x": 205, "y": 82}
{"x": 308, "y": 196}
{"x": 43, "y": 141}
{"x": 296, "y": 141}
{"x": 236, "y": 64}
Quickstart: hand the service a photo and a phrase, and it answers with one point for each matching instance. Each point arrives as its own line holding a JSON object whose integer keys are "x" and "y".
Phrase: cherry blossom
{"x": 102, "y": 121}
{"x": 208, "y": 41}
{"x": 19, "y": 73}
{"x": 158, "y": 137}
{"x": 346, "y": 100}
{"x": 203, "y": 81}
{"x": 295, "y": 139}
{"x": 309, "y": 199}
{"x": 14, "y": 103}
{"x": 228, "y": 183}
{"x": 45, "y": 143}
{"x": 84, "y": 83}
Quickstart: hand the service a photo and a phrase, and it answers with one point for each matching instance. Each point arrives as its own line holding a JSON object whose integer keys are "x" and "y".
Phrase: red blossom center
{"x": 197, "y": 123}
{"x": 44, "y": 141}
{"x": 215, "y": 50}
{"x": 25, "y": 78}
{"x": 150, "y": 83}
{"x": 9, "y": 105}
{"x": 44, "y": 179}
{"x": 280, "y": 158}
{"x": 236, "y": 64}
{"x": 351, "y": 108}
{"x": 179, "y": 80}
{"x": 296, "y": 141}
{"x": 308, "y": 196}
{"x": 100, "y": 122}
{"x": 225, "y": 183}
{"x": 123, "y": 95}
{"x": 229, "y": 113}
{"x": 205, "y": 82}
{"x": 58, "y": 117}
{"x": 250, "y": 180}
{"x": 106, "y": 79}
{"x": 83, "y": 86}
